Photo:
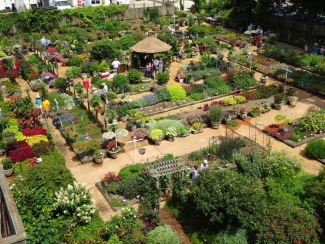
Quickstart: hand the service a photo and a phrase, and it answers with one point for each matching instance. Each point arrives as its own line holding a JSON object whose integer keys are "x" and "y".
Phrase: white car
{"x": 62, "y": 4}
{"x": 120, "y": 1}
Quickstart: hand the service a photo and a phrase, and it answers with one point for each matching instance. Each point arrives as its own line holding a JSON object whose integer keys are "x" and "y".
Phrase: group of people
{"x": 45, "y": 43}
{"x": 154, "y": 66}
{"x": 315, "y": 49}
{"x": 194, "y": 173}
{"x": 44, "y": 105}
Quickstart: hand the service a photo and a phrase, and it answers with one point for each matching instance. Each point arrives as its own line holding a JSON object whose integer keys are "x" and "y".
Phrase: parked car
{"x": 121, "y": 1}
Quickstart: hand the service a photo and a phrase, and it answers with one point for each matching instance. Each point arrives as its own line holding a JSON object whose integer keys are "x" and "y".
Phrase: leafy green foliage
{"x": 163, "y": 94}
{"x": 104, "y": 49}
{"x": 75, "y": 60}
{"x": 285, "y": 223}
{"x": 130, "y": 171}
{"x": 162, "y": 78}
{"x": 315, "y": 189}
{"x": 315, "y": 149}
{"x": 126, "y": 41}
{"x": 234, "y": 236}
{"x": 119, "y": 83}
{"x": 61, "y": 84}
{"x": 134, "y": 76}
{"x": 236, "y": 197}
{"x": 124, "y": 226}
{"x": 176, "y": 92}
{"x": 163, "y": 234}
{"x": 227, "y": 147}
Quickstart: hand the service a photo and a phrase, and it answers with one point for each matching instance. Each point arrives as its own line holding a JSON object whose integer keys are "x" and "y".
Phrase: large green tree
{"x": 227, "y": 198}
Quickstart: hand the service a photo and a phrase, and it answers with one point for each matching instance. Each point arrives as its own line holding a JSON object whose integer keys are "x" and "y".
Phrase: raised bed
{"x": 109, "y": 198}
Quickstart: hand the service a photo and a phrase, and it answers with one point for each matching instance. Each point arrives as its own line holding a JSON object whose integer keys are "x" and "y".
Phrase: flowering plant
{"x": 141, "y": 133}
{"x": 111, "y": 145}
{"x": 171, "y": 131}
{"x": 156, "y": 134}
{"x": 68, "y": 101}
{"x": 108, "y": 178}
{"x": 243, "y": 110}
{"x": 197, "y": 126}
{"x": 108, "y": 135}
{"x": 191, "y": 119}
{"x": 74, "y": 203}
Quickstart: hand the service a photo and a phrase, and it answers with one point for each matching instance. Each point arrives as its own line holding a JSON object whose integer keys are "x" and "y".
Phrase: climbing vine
{"x": 41, "y": 20}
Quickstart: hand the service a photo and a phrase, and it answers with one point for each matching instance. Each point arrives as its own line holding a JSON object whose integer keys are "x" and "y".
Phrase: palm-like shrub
{"x": 215, "y": 113}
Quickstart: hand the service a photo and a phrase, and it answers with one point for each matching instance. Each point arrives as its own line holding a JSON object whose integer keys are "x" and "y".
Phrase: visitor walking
{"x": 194, "y": 173}
{"x": 161, "y": 65}
{"x": 43, "y": 42}
{"x": 282, "y": 55}
{"x": 115, "y": 65}
{"x": 190, "y": 38}
{"x": 249, "y": 60}
{"x": 46, "y": 107}
{"x": 38, "y": 101}
{"x": 322, "y": 50}
{"x": 148, "y": 70}
{"x": 315, "y": 48}
{"x": 180, "y": 53}
{"x": 204, "y": 165}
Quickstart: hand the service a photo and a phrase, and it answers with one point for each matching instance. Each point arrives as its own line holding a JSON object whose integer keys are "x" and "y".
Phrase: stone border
{"x": 308, "y": 139}
{"x": 108, "y": 198}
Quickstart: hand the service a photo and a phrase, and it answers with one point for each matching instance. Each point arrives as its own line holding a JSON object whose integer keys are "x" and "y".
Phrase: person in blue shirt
{"x": 44, "y": 43}
{"x": 38, "y": 101}
{"x": 315, "y": 48}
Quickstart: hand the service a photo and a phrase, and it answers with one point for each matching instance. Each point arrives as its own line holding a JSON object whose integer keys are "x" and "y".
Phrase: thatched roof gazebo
{"x": 151, "y": 45}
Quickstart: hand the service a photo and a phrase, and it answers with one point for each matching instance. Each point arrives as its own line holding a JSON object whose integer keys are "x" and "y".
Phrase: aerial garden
{"x": 264, "y": 198}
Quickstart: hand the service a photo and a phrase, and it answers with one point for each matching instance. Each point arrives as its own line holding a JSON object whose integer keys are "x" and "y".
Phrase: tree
{"x": 227, "y": 198}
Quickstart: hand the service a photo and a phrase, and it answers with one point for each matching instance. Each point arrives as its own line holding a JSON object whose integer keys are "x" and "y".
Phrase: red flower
{"x": 270, "y": 233}
{"x": 272, "y": 223}
{"x": 282, "y": 222}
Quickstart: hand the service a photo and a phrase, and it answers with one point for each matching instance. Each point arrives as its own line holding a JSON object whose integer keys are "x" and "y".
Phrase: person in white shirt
{"x": 204, "y": 165}
{"x": 322, "y": 51}
{"x": 171, "y": 29}
{"x": 194, "y": 173}
{"x": 115, "y": 65}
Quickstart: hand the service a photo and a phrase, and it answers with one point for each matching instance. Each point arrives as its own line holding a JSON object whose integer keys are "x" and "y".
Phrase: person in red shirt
{"x": 17, "y": 65}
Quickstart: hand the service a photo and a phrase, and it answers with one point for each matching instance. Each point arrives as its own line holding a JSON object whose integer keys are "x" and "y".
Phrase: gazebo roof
{"x": 151, "y": 44}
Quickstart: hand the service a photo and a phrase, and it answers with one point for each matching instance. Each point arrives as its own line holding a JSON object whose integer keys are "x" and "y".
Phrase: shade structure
{"x": 151, "y": 44}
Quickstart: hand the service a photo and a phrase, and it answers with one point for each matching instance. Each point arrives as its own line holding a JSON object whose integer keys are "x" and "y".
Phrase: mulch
{"x": 167, "y": 218}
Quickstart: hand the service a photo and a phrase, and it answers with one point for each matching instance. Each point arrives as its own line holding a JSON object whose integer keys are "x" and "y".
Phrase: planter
{"x": 124, "y": 119}
{"x": 171, "y": 138}
{"x": 263, "y": 80}
{"x": 2, "y": 151}
{"x": 185, "y": 134}
{"x": 290, "y": 91}
{"x": 145, "y": 80}
{"x": 98, "y": 159}
{"x": 181, "y": 80}
{"x": 8, "y": 172}
{"x": 243, "y": 115}
{"x": 113, "y": 154}
{"x": 292, "y": 103}
{"x": 278, "y": 106}
{"x": 321, "y": 92}
{"x": 215, "y": 125}
{"x": 157, "y": 142}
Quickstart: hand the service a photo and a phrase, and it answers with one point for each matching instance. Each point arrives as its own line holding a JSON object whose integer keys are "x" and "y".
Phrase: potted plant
{"x": 292, "y": 100}
{"x": 112, "y": 148}
{"x": 156, "y": 135}
{"x": 171, "y": 133}
{"x": 7, "y": 167}
{"x": 141, "y": 133}
{"x": 266, "y": 107}
{"x": 183, "y": 132}
{"x": 243, "y": 112}
{"x": 290, "y": 90}
{"x": 279, "y": 99}
{"x": 255, "y": 111}
{"x": 98, "y": 156}
{"x": 215, "y": 116}
{"x": 197, "y": 127}
{"x": 263, "y": 79}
